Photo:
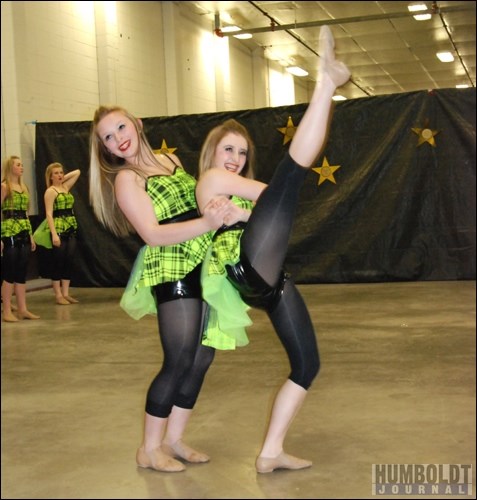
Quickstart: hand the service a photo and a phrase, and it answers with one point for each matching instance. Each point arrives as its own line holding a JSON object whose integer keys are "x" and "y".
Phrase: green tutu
{"x": 227, "y": 316}
{"x": 137, "y": 300}
{"x": 42, "y": 235}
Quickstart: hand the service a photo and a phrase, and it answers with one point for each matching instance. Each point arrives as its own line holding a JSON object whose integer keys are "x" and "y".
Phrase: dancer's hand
{"x": 236, "y": 214}
{"x": 216, "y": 210}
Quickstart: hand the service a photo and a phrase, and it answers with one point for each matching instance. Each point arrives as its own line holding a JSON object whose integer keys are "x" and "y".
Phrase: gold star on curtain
{"x": 164, "y": 149}
{"x": 326, "y": 172}
{"x": 288, "y": 131}
{"x": 425, "y": 135}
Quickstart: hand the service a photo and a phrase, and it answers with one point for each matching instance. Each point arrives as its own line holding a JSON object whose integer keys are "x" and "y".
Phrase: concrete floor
{"x": 397, "y": 386}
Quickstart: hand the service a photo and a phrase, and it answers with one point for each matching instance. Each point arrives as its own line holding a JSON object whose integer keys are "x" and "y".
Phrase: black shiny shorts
{"x": 252, "y": 288}
{"x": 19, "y": 240}
{"x": 185, "y": 288}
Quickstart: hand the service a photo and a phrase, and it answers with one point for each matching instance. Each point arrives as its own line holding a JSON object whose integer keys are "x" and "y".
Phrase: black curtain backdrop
{"x": 392, "y": 197}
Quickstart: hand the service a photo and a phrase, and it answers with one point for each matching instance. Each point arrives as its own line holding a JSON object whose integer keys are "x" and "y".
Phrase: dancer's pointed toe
{"x": 336, "y": 70}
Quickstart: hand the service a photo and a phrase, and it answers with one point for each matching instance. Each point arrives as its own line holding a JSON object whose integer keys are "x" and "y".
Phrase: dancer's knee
{"x": 306, "y": 374}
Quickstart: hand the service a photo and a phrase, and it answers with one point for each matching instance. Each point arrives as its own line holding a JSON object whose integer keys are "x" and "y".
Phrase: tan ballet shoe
{"x": 282, "y": 461}
{"x": 336, "y": 70}
{"x": 71, "y": 300}
{"x": 61, "y": 301}
{"x": 27, "y": 315}
{"x": 181, "y": 450}
{"x": 156, "y": 459}
{"x": 10, "y": 318}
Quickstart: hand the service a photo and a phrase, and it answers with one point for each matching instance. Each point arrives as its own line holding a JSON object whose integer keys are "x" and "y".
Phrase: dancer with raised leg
{"x": 250, "y": 256}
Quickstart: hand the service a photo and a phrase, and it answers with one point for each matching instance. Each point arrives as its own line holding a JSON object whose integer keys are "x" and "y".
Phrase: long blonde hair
{"x": 104, "y": 167}
{"x": 7, "y": 174}
{"x": 213, "y": 138}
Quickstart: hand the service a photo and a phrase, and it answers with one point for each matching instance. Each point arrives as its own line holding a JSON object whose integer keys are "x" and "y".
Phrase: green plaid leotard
{"x": 11, "y": 226}
{"x": 171, "y": 195}
{"x": 64, "y": 223}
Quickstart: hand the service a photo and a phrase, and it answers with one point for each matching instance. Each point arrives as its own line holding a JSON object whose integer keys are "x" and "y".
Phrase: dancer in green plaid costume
{"x": 17, "y": 240}
{"x": 133, "y": 189}
{"x": 58, "y": 231}
{"x": 226, "y": 168}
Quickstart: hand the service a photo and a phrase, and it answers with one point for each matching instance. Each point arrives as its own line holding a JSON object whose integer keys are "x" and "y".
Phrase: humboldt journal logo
{"x": 422, "y": 479}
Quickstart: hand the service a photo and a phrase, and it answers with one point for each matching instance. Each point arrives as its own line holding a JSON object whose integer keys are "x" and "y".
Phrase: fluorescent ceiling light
{"x": 230, "y": 29}
{"x": 339, "y": 98}
{"x": 445, "y": 56}
{"x": 416, "y": 7}
{"x": 297, "y": 71}
{"x": 422, "y": 17}
{"x": 244, "y": 36}
{"x": 463, "y": 86}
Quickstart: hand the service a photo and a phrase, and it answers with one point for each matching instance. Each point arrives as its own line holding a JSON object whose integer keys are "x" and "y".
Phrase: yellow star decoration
{"x": 326, "y": 172}
{"x": 288, "y": 131}
{"x": 164, "y": 149}
{"x": 425, "y": 135}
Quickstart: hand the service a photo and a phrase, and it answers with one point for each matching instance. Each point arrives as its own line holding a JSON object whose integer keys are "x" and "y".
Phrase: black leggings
{"x": 63, "y": 257}
{"x": 16, "y": 255}
{"x": 186, "y": 360}
{"x": 263, "y": 246}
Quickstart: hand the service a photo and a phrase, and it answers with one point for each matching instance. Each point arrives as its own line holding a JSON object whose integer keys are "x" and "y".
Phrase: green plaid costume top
{"x": 12, "y": 226}
{"x": 226, "y": 246}
{"x": 172, "y": 195}
{"x": 64, "y": 222}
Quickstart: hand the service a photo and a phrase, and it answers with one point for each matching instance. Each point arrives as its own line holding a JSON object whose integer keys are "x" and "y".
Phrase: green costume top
{"x": 227, "y": 315}
{"x": 12, "y": 225}
{"x": 64, "y": 201}
{"x": 63, "y": 222}
{"x": 172, "y": 196}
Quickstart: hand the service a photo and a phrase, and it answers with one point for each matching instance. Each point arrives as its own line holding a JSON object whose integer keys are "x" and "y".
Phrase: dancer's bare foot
{"x": 282, "y": 461}
{"x": 336, "y": 70}
{"x": 27, "y": 315}
{"x": 181, "y": 450}
{"x": 158, "y": 460}
{"x": 71, "y": 300}
{"x": 62, "y": 301}
{"x": 9, "y": 317}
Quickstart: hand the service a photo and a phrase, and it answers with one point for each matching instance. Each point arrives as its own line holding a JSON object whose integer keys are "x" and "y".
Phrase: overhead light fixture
{"x": 230, "y": 29}
{"x": 462, "y": 86}
{"x": 419, "y": 8}
{"x": 297, "y": 71}
{"x": 244, "y": 36}
{"x": 445, "y": 56}
{"x": 233, "y": 28}
{"x": 339, "y": 98}
{"x": 416, "y": 7}
{"x": 422, "y": 17}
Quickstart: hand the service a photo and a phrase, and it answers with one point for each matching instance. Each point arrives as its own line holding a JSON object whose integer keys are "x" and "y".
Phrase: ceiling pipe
{"x": 357, "y": 19}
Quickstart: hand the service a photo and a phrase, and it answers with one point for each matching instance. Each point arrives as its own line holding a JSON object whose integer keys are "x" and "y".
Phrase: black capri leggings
{"x": 16, "y": 255}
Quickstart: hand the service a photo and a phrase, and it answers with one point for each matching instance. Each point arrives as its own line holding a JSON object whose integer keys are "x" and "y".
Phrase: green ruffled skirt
{"x": 227, "y": 316}
{"x": 137, "y": 300}
{"x": 42, "y": 235}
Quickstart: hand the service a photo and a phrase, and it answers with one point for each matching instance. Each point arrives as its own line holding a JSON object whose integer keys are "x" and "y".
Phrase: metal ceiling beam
{"x": 357, "y": 19}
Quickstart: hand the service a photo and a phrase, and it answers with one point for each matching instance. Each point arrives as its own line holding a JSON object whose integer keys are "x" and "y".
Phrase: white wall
{"x": 61, "y": 59}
